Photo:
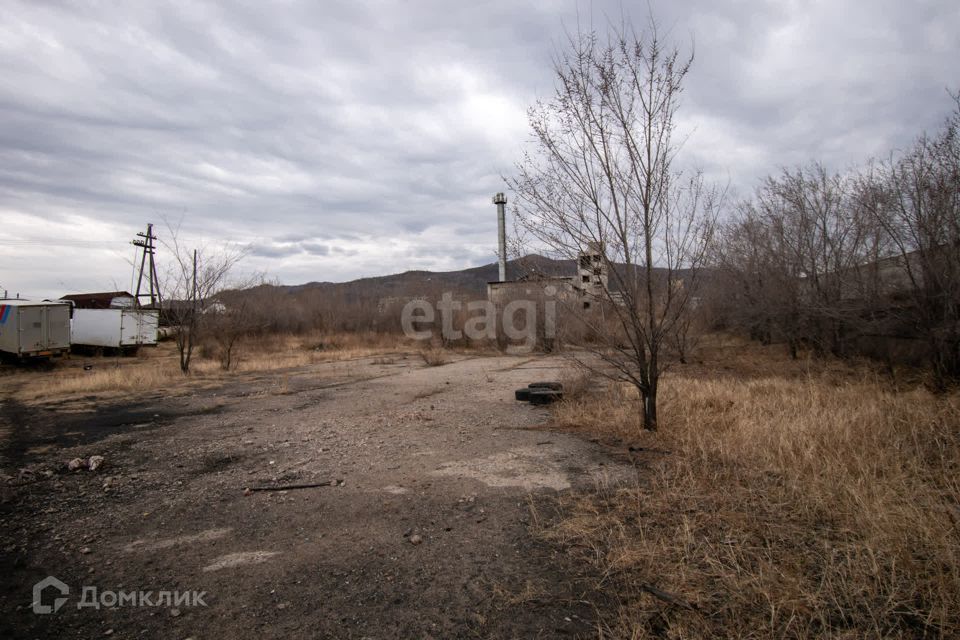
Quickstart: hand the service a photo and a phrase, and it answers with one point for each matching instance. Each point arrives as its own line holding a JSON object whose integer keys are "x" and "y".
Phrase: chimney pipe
{"x": 501, "y": 201}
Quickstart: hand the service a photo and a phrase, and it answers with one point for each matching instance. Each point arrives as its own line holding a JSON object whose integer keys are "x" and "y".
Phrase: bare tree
{"x": 915, "y": 199}
{"x": 801, "y": 253}
{"x": 240, "y": 313}
{"x": 749, "y": 289}
{"x": 603, "y": 174}
{"x": 193, "y": 280}
{"x": 825, "y": 259}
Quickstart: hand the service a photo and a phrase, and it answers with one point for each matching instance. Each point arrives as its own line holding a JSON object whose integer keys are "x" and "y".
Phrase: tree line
{"x": 821, "y": 260}
{"x": 816, "y": 259}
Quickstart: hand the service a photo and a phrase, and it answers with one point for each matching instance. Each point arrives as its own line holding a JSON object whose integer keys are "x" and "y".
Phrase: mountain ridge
{"x": 419, "y": 281}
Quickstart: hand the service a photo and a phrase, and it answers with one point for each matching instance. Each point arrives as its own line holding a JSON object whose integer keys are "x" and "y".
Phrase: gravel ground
{"x": 423, "y": 528}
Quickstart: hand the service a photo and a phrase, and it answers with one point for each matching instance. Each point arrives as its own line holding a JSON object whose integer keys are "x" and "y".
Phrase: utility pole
{"x": 148, "y": 268}
{"x": 193, "y": 294}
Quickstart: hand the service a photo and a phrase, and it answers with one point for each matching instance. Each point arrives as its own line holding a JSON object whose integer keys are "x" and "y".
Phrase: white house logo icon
{"x": 38, "y": 589}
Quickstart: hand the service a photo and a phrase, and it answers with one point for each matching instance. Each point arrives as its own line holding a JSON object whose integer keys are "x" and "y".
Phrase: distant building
{"x": 592, "y": 271}
{"x": 586, "y": 287}
{"x": 103, "y": 300}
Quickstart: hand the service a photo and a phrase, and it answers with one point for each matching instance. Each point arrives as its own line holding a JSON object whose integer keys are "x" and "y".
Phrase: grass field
{"x": 158, "y": 367}
{"x": 779, "y": 499}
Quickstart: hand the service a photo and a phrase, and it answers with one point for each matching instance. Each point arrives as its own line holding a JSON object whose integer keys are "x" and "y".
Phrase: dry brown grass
{"x": 277, "y": 351}
{"x": 578, "y": 384}
{"x": 159, "y": 369}
{"x": 822, "y": 504}
{"x": 108, "y": 377}
{"x": 434, "y": 356}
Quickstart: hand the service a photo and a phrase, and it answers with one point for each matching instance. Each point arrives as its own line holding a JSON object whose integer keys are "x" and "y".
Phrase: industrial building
{"x": 582, "y": 289}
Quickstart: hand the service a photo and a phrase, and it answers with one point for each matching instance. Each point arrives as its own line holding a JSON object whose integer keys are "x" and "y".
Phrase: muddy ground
{"x": 427, "y": 528}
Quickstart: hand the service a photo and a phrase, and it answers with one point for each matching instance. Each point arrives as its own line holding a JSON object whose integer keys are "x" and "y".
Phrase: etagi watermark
{"x": 58, "y": 593}
{"x": 517, "y": 320}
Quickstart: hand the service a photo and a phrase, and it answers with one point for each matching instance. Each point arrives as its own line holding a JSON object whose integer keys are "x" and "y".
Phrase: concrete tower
{"x": 501, "y": 201}
{"x": 592, "y": 276}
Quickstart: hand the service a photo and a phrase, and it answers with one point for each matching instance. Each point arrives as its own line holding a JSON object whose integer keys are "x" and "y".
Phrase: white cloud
{"x": 379, "y": 131}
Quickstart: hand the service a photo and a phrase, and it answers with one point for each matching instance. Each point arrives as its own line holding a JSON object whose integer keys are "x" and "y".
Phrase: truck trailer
{"x": 125, "y": 329}
{"x": 34, "y": 329}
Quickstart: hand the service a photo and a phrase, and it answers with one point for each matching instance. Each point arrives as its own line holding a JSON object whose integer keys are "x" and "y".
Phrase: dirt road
{"x": 424, "y": 531}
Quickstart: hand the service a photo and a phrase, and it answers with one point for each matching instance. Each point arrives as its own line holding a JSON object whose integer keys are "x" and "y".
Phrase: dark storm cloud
{"x": 349, "y": 139}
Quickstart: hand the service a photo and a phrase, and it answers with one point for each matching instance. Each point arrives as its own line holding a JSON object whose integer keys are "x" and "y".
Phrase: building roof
{"x": 20, "y": 302}
{"x": 101, "y": 300}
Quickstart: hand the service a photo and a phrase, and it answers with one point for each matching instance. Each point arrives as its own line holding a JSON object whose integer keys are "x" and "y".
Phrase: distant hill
{"x": 412, "y": 283}
{"x": 374, "y": 303}
{"x": 469, "y": 282}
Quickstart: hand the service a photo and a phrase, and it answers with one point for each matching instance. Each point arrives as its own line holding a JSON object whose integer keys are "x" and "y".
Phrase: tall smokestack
{"x": 501, "y": 201}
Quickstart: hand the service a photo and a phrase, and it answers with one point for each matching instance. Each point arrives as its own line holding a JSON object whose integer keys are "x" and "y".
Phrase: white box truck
{"x": 124, "y": 329}
{"x": 34, "y": 329}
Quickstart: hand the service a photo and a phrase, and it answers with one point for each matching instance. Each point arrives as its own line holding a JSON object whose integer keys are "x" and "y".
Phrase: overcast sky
{"x": 342, "y": 140}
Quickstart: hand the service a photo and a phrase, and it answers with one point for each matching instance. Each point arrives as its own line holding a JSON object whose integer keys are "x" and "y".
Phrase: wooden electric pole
{"x": 148, "y": 269}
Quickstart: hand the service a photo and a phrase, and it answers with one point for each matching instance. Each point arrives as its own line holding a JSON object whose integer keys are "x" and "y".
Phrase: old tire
{"x": 544, "y": 396}
{"x": 553, "y": 386}
{"x": 523, "y": 395}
